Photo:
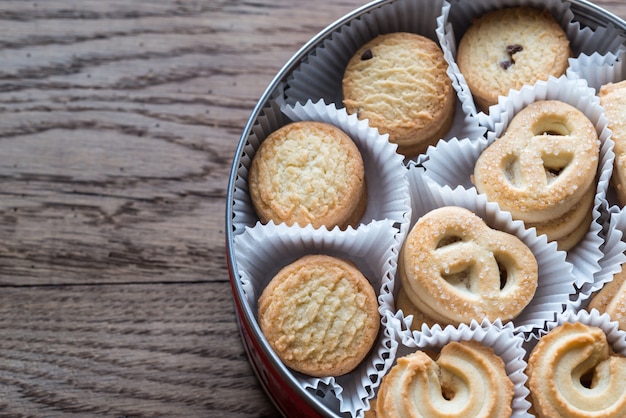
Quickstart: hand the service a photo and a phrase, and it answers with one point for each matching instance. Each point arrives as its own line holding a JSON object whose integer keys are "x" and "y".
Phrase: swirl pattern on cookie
{"x": 467, "y": 380}
{"x": 571, "y": 373}
{"x": 454, "y": 268}
{"x": 543, "y": 164}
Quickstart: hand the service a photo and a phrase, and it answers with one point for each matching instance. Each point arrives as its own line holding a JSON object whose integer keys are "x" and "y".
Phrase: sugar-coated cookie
{"x": 543, "y": 170}
{"x": 455, "y": 268}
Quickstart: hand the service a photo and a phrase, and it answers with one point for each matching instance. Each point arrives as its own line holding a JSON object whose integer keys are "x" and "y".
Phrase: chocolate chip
{"x": 513, "y": 49}
{"x": 367, "y": 55}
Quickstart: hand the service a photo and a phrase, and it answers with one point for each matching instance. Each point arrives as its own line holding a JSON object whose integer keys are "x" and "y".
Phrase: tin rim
{"x": 259, "y": 354}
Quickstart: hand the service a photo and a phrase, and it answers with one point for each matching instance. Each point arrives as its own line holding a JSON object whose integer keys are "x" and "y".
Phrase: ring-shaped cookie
{"x": 571, "y": 373}
{"x": 543, "y": 164}
{"x": 570, "y": 228}
{"x": 454, "y": 268}
{"x": 467, "y": 380}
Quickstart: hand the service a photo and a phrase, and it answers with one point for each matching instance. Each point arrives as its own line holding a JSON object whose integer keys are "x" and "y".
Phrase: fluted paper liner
{"x": 556, "y": 277}
{"x": 502, "y": 338}
{"x": 615, "y": 337}
{"x": 458, "y": 15}
{"x": 387, "y": 187}
{"x": 265, "y": 249}
{"x": 599, "y": 69}
{"x": 611, "y": 262}
{"x": 454, "y": 165}
{"x": 384, "y": 170}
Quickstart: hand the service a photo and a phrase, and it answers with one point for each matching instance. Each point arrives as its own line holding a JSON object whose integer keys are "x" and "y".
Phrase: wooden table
{"x": 118, "y": 124}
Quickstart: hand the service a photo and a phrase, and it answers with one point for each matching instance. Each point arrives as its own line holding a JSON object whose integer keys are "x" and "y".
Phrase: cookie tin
{"x": 287, "y": 393}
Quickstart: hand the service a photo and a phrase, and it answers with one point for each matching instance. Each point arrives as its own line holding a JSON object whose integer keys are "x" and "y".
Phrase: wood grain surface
{"x": 118, "y": 124}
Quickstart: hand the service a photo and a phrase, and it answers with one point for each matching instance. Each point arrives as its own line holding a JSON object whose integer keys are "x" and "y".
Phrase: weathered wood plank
{"x": 124, "y": 350}
{"x": 118, "y": 123}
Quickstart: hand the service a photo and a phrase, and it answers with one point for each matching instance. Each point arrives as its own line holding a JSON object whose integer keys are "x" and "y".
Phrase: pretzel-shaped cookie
{"x": 571, "y": 373}
{"x": 454, "y": 268}
{"x": 543, "y": 164}
{"x": 467, "y": 380}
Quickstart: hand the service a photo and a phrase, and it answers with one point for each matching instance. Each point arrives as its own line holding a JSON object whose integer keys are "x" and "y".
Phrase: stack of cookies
{"x": 543, "y": 170}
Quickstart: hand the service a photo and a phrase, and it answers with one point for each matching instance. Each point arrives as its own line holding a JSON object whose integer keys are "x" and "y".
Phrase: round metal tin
{"x": 288, "y": 396}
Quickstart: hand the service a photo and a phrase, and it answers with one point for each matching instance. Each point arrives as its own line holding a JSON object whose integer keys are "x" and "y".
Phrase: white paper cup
{"x": 459, "y": 15}
{"x": 453, "y": 163}
{"x": 387, "y": 187}
{"x": 556, "y": 277}
{"x": 265, "y": 249}
{"x": 503, "y": 339}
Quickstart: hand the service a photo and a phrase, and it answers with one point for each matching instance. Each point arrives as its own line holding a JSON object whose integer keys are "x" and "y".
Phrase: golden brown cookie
{"x": 571, "y": 227}
{"x": 408, "y": 308}
{"x": 508, "y": 48}
{"x": 611, "y": 299}
{"x": 308, "y": 173}
{"x": 320, "y": 315}
{"x": 467, "y": 380}
{"x": 572, "y": 373}
{"x": 613, "y": 99}
{"x": 543, "y": 168}
{"x": 454, "y": 268}
{"x": 399, "y": 83}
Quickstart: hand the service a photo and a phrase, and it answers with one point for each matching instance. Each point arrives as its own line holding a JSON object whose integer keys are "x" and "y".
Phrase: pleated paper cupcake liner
{"x": 457, "y": 17}
{"x": 615, "y": 337}
{"x": 387, "y": 187}
{"x": 319, "y": 77}
{"x": 502, "y": 338}
{"x": 263, "y": 251}
{"x": 453, "y": 164}
{"x": 614, "y": 255}
{"x": 556, "y": 276}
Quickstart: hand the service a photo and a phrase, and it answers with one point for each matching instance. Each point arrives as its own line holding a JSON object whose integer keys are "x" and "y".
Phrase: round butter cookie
{"x": 320, "y": 315}
{"x": 613, "y": 99}
{"x": 573, "y": 373}
{"x": 508, "y": 48}
{"x": 466, "y": 380}
{"x": 308, "y": 173}
{"x": 399, "y": 83}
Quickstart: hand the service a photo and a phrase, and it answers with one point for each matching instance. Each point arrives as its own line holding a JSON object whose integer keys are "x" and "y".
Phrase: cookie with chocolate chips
{"x": 509, "y": 48}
